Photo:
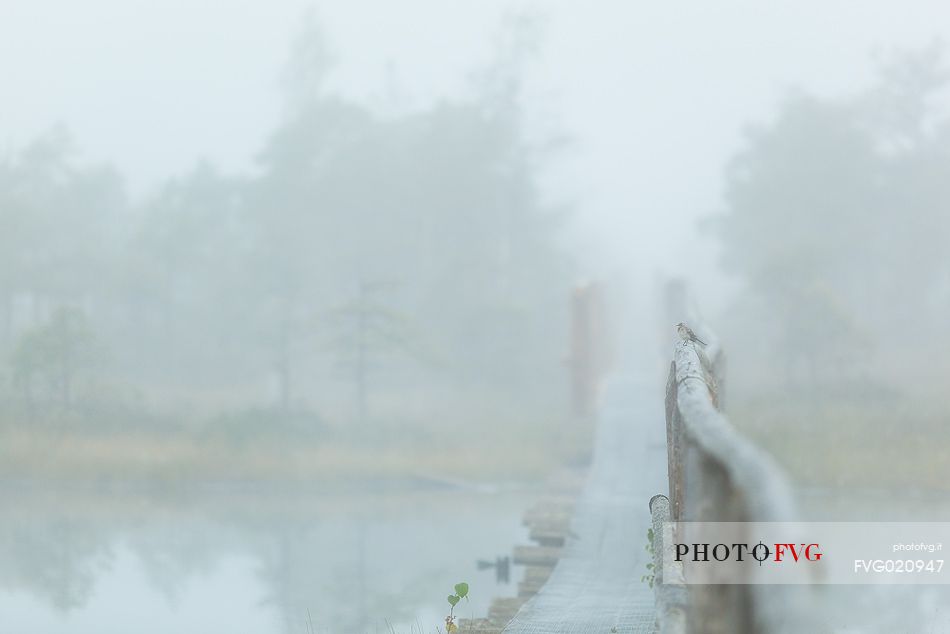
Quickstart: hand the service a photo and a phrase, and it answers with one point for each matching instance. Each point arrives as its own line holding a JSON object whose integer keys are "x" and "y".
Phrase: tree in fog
{"x": 216, "y": 282}
{"x": 362, "y": 330}
{"x": 442, "y": 198}
{"x": 835, "y": 218}
{"x": 48, "y": 358}
{"x": 181, "y": 288}
{"x": 62, "y": 224}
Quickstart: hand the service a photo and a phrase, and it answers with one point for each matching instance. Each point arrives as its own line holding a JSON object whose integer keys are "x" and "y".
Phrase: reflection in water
{"x": 246, "y": 562}
{"x": 59, "y": 559}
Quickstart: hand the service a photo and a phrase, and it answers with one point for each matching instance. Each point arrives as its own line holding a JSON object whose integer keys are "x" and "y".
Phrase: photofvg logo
{"x": 760, "y": 552}
{"x": 804, "y": 553}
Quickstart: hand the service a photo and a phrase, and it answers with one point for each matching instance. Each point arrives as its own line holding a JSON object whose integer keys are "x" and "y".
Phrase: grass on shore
{"x": 332, "y": 456}
{"x": 852, "y": 444}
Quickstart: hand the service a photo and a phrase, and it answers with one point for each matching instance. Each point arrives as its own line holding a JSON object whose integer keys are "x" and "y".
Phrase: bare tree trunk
{"x": 283, "y": 364}
{"x": 28, "y": 393}
{"x": 66, "y": 367}
{"x": 6, "y": 334}
{"x": 66, "y": 385}
{"x": 361, "y": 360}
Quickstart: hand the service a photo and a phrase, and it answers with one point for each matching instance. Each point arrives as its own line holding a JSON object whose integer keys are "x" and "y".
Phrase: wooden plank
{"x": 549, "y": 511}
{"x": 504, "y": 609}
{"x": 549, "y": 537}
{"x": 549, "y": 522}
{"x": 527, "y": 589}
{"x": 538, "y": 574}
{"x": 536, "y": 555}
{"x": 479, "y": 626}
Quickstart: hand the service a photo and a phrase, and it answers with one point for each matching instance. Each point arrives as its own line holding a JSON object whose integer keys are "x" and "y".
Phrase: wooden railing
{"x": 718, "y": 475}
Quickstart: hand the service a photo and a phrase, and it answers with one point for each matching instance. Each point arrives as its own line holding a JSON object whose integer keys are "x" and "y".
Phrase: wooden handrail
{"x": 695, "y": 424}
{"x": 718, "y": 475}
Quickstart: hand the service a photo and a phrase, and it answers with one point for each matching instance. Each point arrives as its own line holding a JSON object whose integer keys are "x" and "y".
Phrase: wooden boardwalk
{"x": 713, "y": 474}
{"x": 644, "y": 447}
{"x": 596, "y": 586}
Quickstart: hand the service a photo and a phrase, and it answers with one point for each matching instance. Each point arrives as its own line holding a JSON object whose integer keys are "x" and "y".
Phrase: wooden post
{"x": 717, "y": 475}
{"x": 588, "y": 357}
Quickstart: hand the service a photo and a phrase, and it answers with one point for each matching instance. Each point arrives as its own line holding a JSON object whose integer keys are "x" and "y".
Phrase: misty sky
{"x": 653, "y": 94}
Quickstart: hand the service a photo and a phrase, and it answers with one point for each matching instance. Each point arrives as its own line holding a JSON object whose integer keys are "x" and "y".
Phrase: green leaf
{"x": 453, "y": 599}
{"x": 461, "y": 589}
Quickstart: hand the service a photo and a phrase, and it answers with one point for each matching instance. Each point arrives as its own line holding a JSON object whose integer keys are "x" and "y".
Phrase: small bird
{"x": 688, "y": 335}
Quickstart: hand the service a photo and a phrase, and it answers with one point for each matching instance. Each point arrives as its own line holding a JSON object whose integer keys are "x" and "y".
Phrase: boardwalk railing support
{"x": 670, "y": 598}
{"x": 718, "y": 475}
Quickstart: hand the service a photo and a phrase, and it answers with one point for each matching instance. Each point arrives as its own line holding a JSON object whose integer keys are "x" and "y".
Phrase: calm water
{"x": 237, "y": 561}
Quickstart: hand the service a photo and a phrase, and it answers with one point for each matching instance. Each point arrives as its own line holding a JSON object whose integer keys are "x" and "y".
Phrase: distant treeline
{"x": 835, "y": 220}
{"x": 372, "y": 264}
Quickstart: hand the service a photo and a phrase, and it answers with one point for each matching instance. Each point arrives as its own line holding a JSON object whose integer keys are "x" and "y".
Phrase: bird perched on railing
{"x": 688, "y": 335}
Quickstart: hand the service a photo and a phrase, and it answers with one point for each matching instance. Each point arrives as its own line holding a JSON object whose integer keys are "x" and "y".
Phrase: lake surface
{"x": 248, "y": 560}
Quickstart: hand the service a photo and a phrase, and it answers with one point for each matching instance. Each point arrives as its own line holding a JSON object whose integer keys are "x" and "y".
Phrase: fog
{"x": 302, "y": 306}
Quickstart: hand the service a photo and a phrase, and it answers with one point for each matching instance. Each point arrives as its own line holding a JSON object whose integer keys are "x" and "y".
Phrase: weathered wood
{"x": 548, "y": 537}
{"x": 589, "y": 356}
{"x": 551, "y": 524}
{"x": 674, "y": 446}
{"x": 479, "y": 626}
{"x": 670, "y": 598}
{"x": 502, "y": 610}
{"x": 717, "y": 475}
{"x": 699, "y": 426}
{"x": 548, "y": 521}
{"x": 537, "y": 574}
{"x": 527, "y": 589}
{"x": 550, "y": 512}
{"x": 536, "y": 555}
{"x": 533, "y": 580}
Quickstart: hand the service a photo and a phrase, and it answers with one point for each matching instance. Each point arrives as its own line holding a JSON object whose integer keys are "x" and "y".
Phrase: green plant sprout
{"x": 650, "y": 577}
{"x": 461, "y": 592}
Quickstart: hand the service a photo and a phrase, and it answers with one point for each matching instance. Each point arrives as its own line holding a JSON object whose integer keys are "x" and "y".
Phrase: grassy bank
{"x": 331, "y": 456}
{"x": 845, "y": 443}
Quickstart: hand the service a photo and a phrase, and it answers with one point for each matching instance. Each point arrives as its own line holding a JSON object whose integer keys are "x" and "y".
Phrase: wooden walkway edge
{"x": 596, "y": 585}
